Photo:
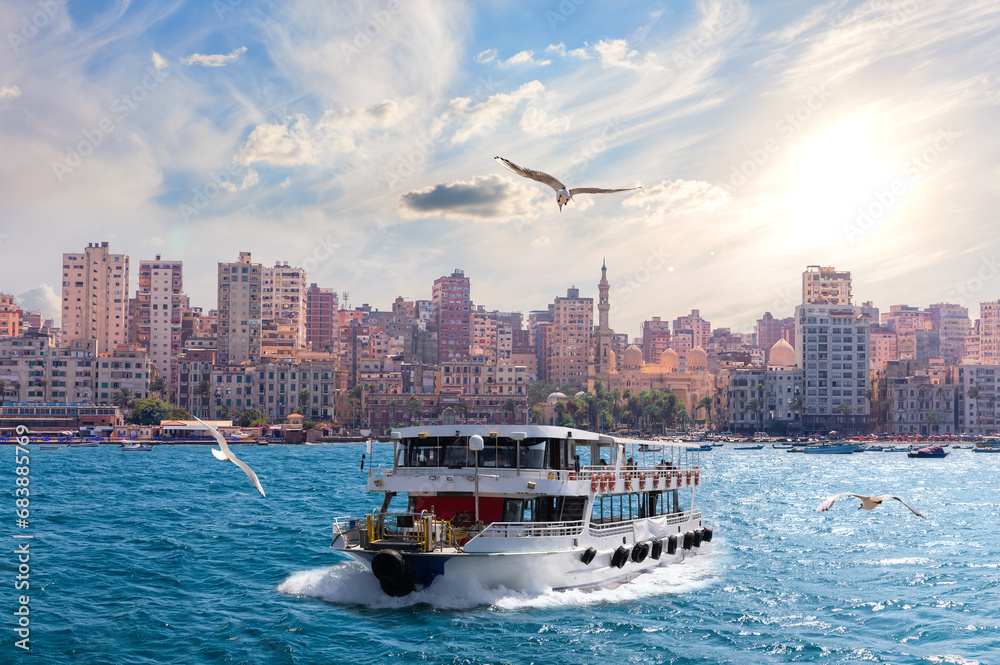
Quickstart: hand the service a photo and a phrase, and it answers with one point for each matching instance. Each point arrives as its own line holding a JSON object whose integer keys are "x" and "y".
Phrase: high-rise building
{"x": 769, "y": 330}
{"x": 570, "y": 339}
{"x": 159, "y": 309}
{"x": 655, "y": 339}
{"x": 95, "y": 297}
{"x": 989, "y": 332}
{"x": 452, "y": 316}
{"x": 906, "y": 321}
{"x": 832, "y": 347}
{"x": 322, "y": 323}
{"x": 700, "y": 329}
{"x": 239, "y": 317}
{"x": 283, "y": 312}
{"x": 825, "y": 286}
{"x": 10, "y": 317}
{"x": 952, "y": 321}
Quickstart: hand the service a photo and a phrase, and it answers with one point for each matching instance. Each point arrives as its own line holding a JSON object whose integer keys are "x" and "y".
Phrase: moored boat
{"x": 930, "y": 451}
{"x": 524, "y": 507}
{"x": 757, "y": 447}
{"x": 137, "y": 447}
{"x": 831, "y": 449}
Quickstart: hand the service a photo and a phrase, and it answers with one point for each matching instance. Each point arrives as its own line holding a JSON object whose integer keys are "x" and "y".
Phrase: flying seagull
{"x": 867, "y": 502}
{"x": 563, "y": 195}
{"x": 226, "y": 456}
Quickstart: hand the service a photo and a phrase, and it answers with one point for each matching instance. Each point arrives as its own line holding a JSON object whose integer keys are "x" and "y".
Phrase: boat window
{"x": 513, "y": 510}
{"x": 533, "y": 454}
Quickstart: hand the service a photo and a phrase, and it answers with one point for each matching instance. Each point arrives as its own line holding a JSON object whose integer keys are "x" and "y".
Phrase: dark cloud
{"x": 491, "y": 197}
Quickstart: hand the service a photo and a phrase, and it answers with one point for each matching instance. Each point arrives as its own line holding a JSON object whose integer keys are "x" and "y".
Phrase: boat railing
{"x": 532, "y": 529}
{"x": 606, "y": 477}
{"x": 625, "y": 527}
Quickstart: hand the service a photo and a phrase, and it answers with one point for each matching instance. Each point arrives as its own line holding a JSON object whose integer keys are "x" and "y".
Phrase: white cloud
{"x": 251, "y": 179}
{"x": 216, "y": 60}
{"x": 484, "y": 198}
{"x": 489, "y": 55}
{"x": 525, "y": 58}
{"x": 677, "y": 197}
{"x": 616, "y": 53}
{"x": 480, "y": 118}
{"x": 382, "y": 115}
{"x": 561, "y": 49}
{"x": 541, "y": 241}
{"x": 42, "y": 298}
{"x": 9, "y": 91}
{"x": 537, "y": 122}
{"x": 159, "y": 61}
{"x": 281, "y": 144}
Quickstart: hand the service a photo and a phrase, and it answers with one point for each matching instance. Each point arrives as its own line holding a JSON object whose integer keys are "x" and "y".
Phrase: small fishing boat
{"x": 930, "y": 451}
{"x": 987, "y": 449}
{"x": 49, "y": 447}
{"x": 84, "y": 444}
{"x": 137, "y": 447}
{"x": 831, "y": 449}
{"x": 757, "y": 447}
{"x": 777, "y": 447}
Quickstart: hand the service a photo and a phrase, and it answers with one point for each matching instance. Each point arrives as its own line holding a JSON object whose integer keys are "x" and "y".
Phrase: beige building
{"x": 160, "y": 308}
{"x": 570, "y": 339}
{"x": 95, "y": 297}
{"x": 826, "y": 286}
{"x": 283, "y": 310}
{"x": 239, "y": 317}
{"x": 10, "y": 317}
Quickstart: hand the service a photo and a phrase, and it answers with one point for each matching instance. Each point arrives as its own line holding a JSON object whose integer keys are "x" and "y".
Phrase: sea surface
{"x": 171, "y": 556}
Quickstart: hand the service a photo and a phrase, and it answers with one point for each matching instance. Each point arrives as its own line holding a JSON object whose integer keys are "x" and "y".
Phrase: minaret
{"x": 603, "y": 338}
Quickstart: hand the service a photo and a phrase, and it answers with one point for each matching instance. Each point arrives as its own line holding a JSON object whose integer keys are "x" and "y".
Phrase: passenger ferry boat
{"x": 525, "y": 507}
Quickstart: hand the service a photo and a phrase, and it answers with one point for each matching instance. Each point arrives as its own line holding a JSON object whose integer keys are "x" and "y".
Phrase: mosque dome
{"x": 697, "y": 359}
{"x": 669, "y": 360}
{"x": 556, "y": 397}
{"x": 612, "y": 361}
{"x": 579, "y": 394}
{"x": 632, "y": 357}
{"x": 781, "y": 355}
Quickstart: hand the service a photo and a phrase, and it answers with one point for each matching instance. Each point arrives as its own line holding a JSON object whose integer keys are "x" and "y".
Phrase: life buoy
{"x": 697, "y": 476}
{"x": 604, "y": 482}
{"x": 612, "y": 481}
{"x": 677, "y": 477}
{"x": 552, "y": 475}
{"x": 595, "y": 482}
{"x": 689, "y": 476}
{"x": 642, "y": 480}
{"x": 572, "y": 475}
{"x": 656, "y": 479}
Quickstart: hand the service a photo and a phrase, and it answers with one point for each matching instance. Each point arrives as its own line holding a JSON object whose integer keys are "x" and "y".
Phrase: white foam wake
{"x": 351, "y": 583}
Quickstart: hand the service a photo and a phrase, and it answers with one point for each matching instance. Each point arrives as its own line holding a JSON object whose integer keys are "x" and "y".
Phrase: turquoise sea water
{"x": 172, "y": 557}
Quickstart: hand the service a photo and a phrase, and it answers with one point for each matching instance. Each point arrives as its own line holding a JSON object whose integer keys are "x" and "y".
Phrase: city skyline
{"x": 356, "y": 141}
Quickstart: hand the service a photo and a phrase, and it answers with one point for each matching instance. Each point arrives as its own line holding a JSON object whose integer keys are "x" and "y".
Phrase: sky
{"x": 357, "y": 140}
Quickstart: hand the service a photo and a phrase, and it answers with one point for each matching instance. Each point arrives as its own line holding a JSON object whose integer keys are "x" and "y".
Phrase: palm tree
{"x": 124, "y": 399}
{"x": 560, "y": 409}
{"x": 201, "y": 390}
{"x": 510, "y": 407}
{"x": 414, "y": 407}
{"x": 462, "y": 409}
{"x": 844, "y": 408}
{"x": 753, "y": 406}
{"x": 158, "y": 385}
{"x": 572, "y": 408}
{"x": 304, "y": 398}
{"x": 974, "y": 392}
{"x": 357, "y": 394}
{"x": 43, "y": 383}
{"x": 706, "y": 404}
{"x": 933, "y": 418}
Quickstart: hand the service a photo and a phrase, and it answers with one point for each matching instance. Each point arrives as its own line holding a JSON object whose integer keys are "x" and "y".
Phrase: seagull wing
{"x": 250, "y": 473}
{"x": 828, "y": 504}
{"x": 913, "y": 510}
{"x": 227, "y": 456}
{"x": 598, "y": 190}
{"x": 541, "y": 177}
